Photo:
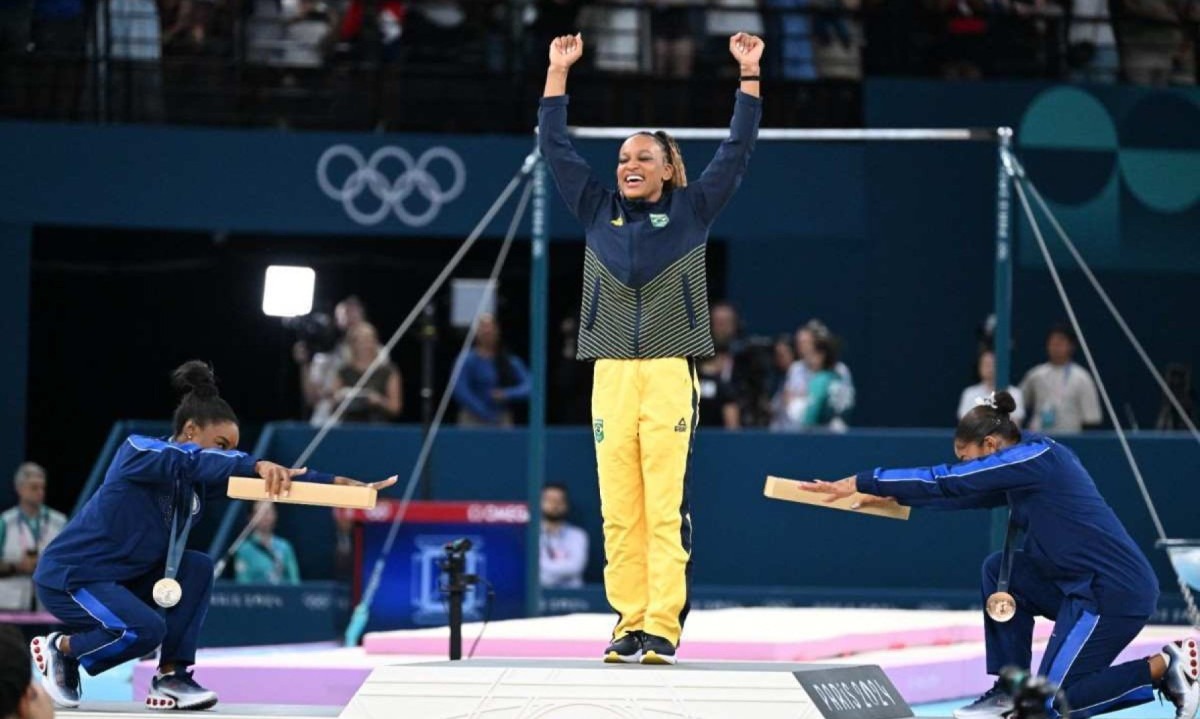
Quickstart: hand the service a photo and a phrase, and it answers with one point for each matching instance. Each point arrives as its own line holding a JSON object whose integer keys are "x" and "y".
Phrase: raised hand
{"x": 746, "y": 49}
{"x": 565, "y": 51}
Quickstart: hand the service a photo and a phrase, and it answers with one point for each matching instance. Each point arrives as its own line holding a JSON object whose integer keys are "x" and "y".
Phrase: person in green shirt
{"x": 826, "y": 388}
{"x": 265, "y": 558}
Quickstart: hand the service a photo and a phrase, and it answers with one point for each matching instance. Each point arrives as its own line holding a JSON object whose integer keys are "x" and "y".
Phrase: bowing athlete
{"x": 119, "y": 576}
{"x": 1078, "y": 566}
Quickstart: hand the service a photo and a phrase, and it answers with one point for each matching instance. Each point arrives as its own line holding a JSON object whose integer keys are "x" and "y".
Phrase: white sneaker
{"x": 1179, "y": 685}
{"x": 995, "y": 702}
{"x": 60, "y": 673}
{"x": 178, "y": 690}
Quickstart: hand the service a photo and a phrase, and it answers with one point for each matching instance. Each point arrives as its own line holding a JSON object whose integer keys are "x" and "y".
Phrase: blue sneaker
{"x": 178, "y": 690}
{"x": 60, "y": 673}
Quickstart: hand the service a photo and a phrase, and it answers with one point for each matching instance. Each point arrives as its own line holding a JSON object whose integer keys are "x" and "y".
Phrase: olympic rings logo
{"x": 366, "y": 178}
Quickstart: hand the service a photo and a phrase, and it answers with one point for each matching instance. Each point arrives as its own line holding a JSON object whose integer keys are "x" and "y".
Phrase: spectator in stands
{"x": 129, "y": 37}
{"x": 25, "y": 530}
{"x": 783, "y": 353}
{"x": 724, "y": 18}
{"x": 827, "y": 400}
{"x": 185, "y": 25}
{"x": 839, "y": 40}
{"x": 20, "y": 696}
{"x": 564, "y": 547}
{"x": 1091, "y": 46}
{"x": 616, "y": 37}
{"x": 724, "y": 376}
{"x": 308, "y": 29}
{"x": 491, "y": 380}
{"x": 390, "y": 17}
{"x": 1060, "y": 395}
{"x": 1151, "y": 37}
{"x": 672, "y": 25}
{"x": 380, "y": 399}
{"x": 718, "y": 401}
{"x": 986, "y": 368}
{"x": 265, "y": 558}
{"x": 797, "y": 387}
{"x": 318, "y": 370}
{"x": 791, "y": 32}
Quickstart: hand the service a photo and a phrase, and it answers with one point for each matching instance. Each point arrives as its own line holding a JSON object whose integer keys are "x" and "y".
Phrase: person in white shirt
{"x": 25, "y": 530}
{"x": 564, "y": 547}
{"x": 1060, "y": 394}
{"x": 987, "y": 385}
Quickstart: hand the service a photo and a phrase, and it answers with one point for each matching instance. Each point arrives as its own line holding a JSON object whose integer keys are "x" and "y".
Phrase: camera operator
{"x": 321, "y": 352}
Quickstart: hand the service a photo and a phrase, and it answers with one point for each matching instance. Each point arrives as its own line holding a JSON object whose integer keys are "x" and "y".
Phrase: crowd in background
{"x": 793, "y": 382}
{"x": 59, "y": 52}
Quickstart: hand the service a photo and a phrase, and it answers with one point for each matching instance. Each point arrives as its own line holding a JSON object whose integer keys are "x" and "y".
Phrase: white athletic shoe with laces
{"x": 1181, "y": 684}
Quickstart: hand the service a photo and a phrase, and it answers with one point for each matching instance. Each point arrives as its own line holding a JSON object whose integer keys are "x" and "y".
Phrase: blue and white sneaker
{"x": 1181, "y": 684}
{"x": 993, "y": 703}
{"x": 178, "y": 690}
{"x": 60, "y": 673}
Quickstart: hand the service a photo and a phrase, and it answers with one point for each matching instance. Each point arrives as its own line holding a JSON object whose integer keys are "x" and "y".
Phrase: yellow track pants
{"x": 644, "y": 415}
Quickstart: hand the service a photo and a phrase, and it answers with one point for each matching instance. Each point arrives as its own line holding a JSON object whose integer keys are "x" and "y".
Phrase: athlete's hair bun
{"x": 195, "y": 377}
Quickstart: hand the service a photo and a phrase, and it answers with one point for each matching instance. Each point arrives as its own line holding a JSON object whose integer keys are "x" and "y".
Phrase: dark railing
{"x": 477, "y": 65}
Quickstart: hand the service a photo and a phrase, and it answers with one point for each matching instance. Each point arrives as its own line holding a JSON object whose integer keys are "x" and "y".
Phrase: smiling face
{"x": 642, "y": 169}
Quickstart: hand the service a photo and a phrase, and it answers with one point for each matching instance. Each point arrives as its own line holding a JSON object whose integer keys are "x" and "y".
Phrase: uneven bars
{"x": 963, "y": 134}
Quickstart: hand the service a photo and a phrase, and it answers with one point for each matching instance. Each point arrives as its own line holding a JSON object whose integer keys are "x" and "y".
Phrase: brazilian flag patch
{"x": 659, "y": 220}
{"x": 598, "y": 430}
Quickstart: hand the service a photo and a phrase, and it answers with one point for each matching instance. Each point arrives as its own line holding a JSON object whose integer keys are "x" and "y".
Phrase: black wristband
{"x": 749, "y": 78}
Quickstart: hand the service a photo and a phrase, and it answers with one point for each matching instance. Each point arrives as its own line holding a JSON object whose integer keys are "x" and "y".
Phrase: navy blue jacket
{"x": 122, "y": 533}
{"x": 645, "y": 288}
{"x": 1072, "y": 537}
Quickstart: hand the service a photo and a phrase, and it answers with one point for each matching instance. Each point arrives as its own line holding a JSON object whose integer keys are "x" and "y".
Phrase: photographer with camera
{"x": 1077, "y": 565}
{"x": 321, "y": 351}
{"x": 25, "y": 530}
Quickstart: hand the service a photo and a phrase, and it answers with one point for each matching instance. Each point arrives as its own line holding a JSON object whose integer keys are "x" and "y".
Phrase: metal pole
{"x": 1003, "y": 293}
{"x": 428, "y": 343}
{"x": 539, "y": 286}
{"x": 456, "y": 590}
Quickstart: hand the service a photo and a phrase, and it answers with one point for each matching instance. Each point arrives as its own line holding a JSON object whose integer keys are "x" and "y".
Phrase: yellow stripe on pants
{"x": 644, "y": 415}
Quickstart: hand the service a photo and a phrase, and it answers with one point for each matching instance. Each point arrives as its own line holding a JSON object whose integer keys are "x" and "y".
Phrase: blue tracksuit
{"x": 97, "y": 575}
{"x": 1078, "y": 566}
